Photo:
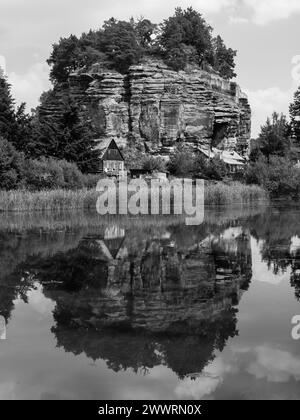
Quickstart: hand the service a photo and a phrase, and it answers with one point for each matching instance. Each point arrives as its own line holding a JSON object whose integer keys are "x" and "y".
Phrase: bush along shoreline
{"x": 217, "y": 193}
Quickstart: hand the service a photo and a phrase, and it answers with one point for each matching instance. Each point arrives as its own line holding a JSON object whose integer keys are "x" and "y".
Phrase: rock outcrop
{"x": 157, "y": 106}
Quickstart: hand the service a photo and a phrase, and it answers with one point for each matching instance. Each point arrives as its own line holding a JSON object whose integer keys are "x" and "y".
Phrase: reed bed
{"x": 234, "y": 193}
{"x": 63, "y": 200}
{"x": 48, "y": 200}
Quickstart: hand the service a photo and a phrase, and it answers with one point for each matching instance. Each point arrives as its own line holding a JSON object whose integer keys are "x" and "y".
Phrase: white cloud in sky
{"x": 238, "y": 19}
{"x": 3, "y": 63}
{"x": 264, "y": 102}
{"x": 29, "y": 86}
{"x": 266, "y": 11}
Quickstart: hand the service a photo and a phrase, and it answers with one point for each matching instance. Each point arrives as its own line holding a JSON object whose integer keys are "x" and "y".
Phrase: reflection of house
{"x": 233, "y": 160}
{"x": 112, "y": 161}
{"x": 112, "y": 243}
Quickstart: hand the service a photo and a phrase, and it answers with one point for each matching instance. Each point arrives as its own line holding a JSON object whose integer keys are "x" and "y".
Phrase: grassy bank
{"x": 62, "y": 200}
{"x": 233, "y": 193}
{"x": 48, "y": 200}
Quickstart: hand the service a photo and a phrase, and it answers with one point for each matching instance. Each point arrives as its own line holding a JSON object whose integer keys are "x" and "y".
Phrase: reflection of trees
{"x": 184, "y": 354}
{"x": 15, "y": 250}
{"x": 276, "y": 228}
{"x": 295, "y": 274}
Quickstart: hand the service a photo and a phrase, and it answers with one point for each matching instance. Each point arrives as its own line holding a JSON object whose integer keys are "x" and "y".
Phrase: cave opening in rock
{"x": 219, "y": 133}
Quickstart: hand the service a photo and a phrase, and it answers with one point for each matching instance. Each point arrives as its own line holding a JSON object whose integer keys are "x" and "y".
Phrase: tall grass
{"x": 233, "y": 193}
{"x": 48, "y": 200}
{"x": 62, "y": 200}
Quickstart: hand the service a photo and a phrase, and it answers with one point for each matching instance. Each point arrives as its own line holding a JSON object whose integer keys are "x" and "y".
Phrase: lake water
{"x": 149, "y": 308}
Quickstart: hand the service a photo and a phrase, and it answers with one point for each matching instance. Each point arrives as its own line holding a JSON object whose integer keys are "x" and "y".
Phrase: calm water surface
{"x": 150, "y": 308}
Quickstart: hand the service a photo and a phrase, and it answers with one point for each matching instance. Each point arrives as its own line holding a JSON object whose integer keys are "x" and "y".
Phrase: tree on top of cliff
{"x": 146, "y": 31}
{"x": 223, "y": 58}
{"x": 187, "y": 38}
{"x": 120, "y": 44}
{"x": 181, "y": 39}
{"x": 295, "y": 116}
{"x": 64, "y": 58}
{"x": 187, "y": 28}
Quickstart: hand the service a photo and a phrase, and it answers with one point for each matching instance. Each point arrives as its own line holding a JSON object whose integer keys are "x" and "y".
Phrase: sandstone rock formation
{"x": 157, "y": 106}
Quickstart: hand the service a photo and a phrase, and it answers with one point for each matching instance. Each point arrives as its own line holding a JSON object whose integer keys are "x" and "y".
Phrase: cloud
{"x": 206, "y": 384}
{"x": 39, "y": 303}
{"x": 238, "y": 20}
{"x": 29, "y": 86}
{"x": 3, "y": 64}
{"x": 275, "y": 365}
{"x": 266, "y": 11}
{"x": 261, "y": 272}
{"x": 265, "y": 101}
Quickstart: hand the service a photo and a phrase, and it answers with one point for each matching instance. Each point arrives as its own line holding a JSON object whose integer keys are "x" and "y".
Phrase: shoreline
{"x": 86, "y": 199}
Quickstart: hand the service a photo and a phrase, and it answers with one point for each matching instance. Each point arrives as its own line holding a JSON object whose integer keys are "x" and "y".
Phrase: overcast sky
{"x": 266, "y": 34}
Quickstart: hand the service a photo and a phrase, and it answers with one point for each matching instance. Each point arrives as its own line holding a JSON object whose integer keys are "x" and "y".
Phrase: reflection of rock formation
{"x": 164, "y": 293}
{"x": 155, "y": 303}
{"x": 159, "y": 288}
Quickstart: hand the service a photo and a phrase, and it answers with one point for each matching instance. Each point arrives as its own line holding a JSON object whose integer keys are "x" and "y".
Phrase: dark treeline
{"x": 39, "y": 154}
{"x": 181, "y": 39}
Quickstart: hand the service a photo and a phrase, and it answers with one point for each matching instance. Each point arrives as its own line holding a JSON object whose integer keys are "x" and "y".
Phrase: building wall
{"x": 113, "y": 166}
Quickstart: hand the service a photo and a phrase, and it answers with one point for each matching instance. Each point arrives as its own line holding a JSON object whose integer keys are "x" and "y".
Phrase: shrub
{"x": 52, "y": 174}
{"x": 73, "y": 178}
{"x": 214, "y": 168}
{"x": 152, "y": 163}
{"x": 11, "y": 166}
{"x": 90, "y": 180}
{"x": 279, "y": 177}
{"x": 182, "y": 162}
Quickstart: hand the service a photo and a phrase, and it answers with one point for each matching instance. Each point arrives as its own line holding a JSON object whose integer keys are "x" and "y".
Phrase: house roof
{"x": 229, "y": 157}
{"x": 104, "y": 145}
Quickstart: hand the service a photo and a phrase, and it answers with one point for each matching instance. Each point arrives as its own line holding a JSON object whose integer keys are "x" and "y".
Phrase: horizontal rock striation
{"x": 158, "y": 107}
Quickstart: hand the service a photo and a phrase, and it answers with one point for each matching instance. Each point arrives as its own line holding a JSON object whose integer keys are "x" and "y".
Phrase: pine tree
{"x": 295, "y": 116}
{"x": 67, "y": 138}
{"x": 274, "y": 138}
{"x": 76, "y": 140}
{"x": 223, "y": 58}
{"x": 7, "y": 113}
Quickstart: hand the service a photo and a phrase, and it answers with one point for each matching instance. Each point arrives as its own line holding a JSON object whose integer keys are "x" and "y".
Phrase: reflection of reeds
{"x": 60, "y": 200}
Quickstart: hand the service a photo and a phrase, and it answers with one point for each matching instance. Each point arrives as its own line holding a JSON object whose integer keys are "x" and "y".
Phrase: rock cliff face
{"x": 157, "y": 106}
